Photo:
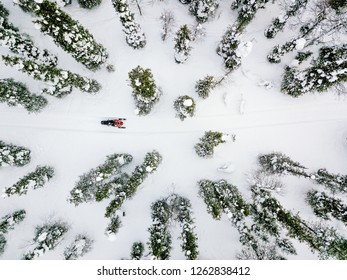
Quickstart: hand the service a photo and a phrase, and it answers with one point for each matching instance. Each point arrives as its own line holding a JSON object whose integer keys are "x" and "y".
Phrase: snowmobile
{"x": 116, "y": 122}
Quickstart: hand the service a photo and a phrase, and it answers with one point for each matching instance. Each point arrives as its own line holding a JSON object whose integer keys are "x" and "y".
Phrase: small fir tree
{"x": 47, "y": 237}
{"x": 185, "y": 107}
{"x": 34, "y": 180}
{"x": 210, "y": 140}
{"x": 17, "y": 94}
{"x": 9, "y": 221}
{"x": 145, "y": 90}
{"x": 278, "y": 163}
{"x": 203, "y": 87}
{"x": 278, "y": 51}
{"x": 182, "y": 46}
{"x": 2, "y": 244}
{"x": 227, "y": 48}
{"x": 134, "y": 34}
{"x": 247, "y": 10}
{"x": 13, "y": 155}
{"x": 203, "y": 9}
{"x": 89, "y": 4}
{"x": 113, "y": 227}
{"x": 66, "y": 32}
{"x": 78, "y": 248}
{"x": 137, "y": 251}
{"x": 60, "y": 82}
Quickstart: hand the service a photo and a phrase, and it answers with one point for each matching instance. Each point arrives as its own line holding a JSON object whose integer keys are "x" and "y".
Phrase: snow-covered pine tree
{"x": 47, "y": 237}
{"x": 137, "y": 251}
{"x": 279, "y": 22}
{"x": 78, "y": 248}
{"x": 160, "y": 237}
{"x": 328, "y": 70}
{"x": 66, "y": 32}
{"x": 9, "y": 221}
{"x": 279, "y": 163}
{"x": 21, "y": 44}
{"x": 17, "y": 94}
{"x": 34, "y": 180}
{"x": 247, "y": 10}
{"x": 89, "y": 4}
{"x": 182, "y": 46}
{"x": 334, "y": 182}
{"x": 325, "y": 206}
{"x": 181, "y": 209}
{"x": 127, "y": 190}
{"x": 99, "y": 183}
{"x": 279, "y": 50}
{"x": 12, "y": 155}
{"x": 204, "y": 86}
{"x": 302, "y": 56}
{"x": 60, "y": 81}
{"x": 227, "y": 48}
{"x": 145, "y": 91}
{"x": 203, "y": 9}
{"x": 210, "y": 140}
{"x": 185, "y": 107}
{"x": 113, "y": 227}
{"x": 133, "y": 31}
{"x": 2, "y": 244}
{"x": 63, "y": 3}
{"x": 337, "y": 5}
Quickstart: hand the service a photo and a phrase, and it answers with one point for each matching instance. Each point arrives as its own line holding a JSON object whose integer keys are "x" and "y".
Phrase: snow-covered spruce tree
{"x": 210, "y": 140}
{"x": 328, "y": 70}
{"x": 182, "y": 46}
{"x": 279, "y": 50}
{"x": 113, "y": 227}
{"x": 17, "y": 94}
{"x": 247, "y": 10}
{"x": 336, "y": 183}
{"x": 160, "y": 237}
{"x": 78, "y": 248}
{"x": 127, "y": 190}
{"x": 228, "y": 47}
{"x": 181, "y": 210}
{"x": 302, "y": 56}
{"x": 12, "y": 155}
{"x": 99, "y": 183}
{"x": 203, "y": 9}
{"x": 21, "y": 44}
{"x": 219, "y": 197}
{"x": 337, "y": 5}
{"x": 278, "y": 163}
{"x": 168, "y": 20}
{"x": 204, "y": 86}
{"x": 60, "y": 82}
{"x": 63, "y": 3}
{"x": 9, "y": 221}
{"x": 66, "y": 32}
{"x": 137, "y": 251}
{"x": 145, "y": 90}
{"x": 185, "y": 107}
{"x": 89, "y": 4}
{"x": 47, "y": 237}
{"x": 324, "y": 206}
{"x": 34, "y": 180}
{"x": 134, "y": 34}
{"x": 2, "y": 244}
{"x": 279, "y": 22}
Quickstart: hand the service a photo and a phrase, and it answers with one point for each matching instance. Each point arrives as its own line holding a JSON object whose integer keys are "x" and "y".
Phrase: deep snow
{"x": 67, "y": 134}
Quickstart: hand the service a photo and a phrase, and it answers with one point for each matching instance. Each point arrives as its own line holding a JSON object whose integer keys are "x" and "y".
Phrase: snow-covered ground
{"x": 68, "y": 136}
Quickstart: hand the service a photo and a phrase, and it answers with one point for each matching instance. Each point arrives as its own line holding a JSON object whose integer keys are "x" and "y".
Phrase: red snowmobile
{"x": 116, "y": 122}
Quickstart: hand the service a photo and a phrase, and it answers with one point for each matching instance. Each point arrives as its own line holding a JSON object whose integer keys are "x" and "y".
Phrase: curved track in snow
{"x": 156, "y": 125}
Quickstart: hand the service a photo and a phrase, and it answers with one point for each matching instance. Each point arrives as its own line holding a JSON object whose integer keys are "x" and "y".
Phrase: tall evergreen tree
{"x": 247, "y": 10}
{"x": 134, "y": 34}
{"x": 9, "y": 221}
{"x": 78, "y": 248}
{"x": 203, "y": 9}
{"x": 13, "y": 155}
{"x": 17, "y": 94}
{"x": 204, "y": 86}
{"x": 184, "y": 106}
{"x": 334, "y": 182}
{"x": 210, "y": 140}
{"x": 66, "y": 32}
{"x": 89, "y": 4}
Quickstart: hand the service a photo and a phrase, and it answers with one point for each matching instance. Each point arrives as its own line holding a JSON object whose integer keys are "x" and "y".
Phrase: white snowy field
{"x": 67, "y": 134}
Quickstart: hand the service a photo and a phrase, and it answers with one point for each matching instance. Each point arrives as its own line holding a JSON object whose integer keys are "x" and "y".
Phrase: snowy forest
{"x": 235, "y": 136}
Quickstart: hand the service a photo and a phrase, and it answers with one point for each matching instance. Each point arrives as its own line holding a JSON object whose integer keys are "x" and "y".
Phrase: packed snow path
{"x": 157, "y": 125}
